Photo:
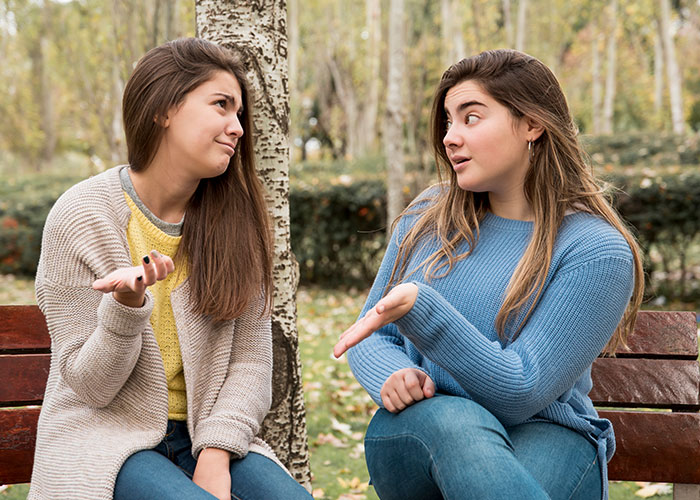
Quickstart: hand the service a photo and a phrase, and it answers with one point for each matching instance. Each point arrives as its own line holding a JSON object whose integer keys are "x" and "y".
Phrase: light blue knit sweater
{"x": 545, "y": 374}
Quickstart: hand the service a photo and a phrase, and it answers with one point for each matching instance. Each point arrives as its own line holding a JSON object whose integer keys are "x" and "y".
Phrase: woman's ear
{"x": 534, "y": 129}
{"x": 163, "y": 122}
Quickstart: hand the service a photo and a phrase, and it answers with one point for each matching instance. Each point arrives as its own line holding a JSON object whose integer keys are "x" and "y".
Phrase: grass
{"x": 338, "y": 409}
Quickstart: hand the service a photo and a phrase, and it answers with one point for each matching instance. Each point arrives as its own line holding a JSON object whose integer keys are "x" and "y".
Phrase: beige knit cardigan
{"x": 106, "y": 396}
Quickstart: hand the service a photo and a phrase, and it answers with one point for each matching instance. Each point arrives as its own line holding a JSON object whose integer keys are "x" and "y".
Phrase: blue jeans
{"x": 165, "y": 473}
{"x": 452, "y": 448}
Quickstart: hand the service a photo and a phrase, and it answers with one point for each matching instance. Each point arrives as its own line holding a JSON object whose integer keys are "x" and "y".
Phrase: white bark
{"x": 368, "y": 125}
{"x": 672, "y": 72}
{"x": 610, "y": 80}
{"x": 522, "y": 25}
{"x": 508, "y": 23}
{"x": 658, "y": 71}
{"x": 597, "y": 87}
{"x": 393, "y": 129}
{"x": 451, "y": 33}
{"x": 258, "y": 31}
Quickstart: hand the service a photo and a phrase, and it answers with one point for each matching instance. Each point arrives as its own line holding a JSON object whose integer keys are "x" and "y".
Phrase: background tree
{"x": 259, "y": 33}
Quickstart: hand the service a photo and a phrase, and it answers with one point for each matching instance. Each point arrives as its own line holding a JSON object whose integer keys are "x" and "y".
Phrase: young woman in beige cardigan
{"x": 155, "y": 282}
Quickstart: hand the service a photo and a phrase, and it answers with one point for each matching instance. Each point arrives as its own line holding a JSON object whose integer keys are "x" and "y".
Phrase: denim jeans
{"x": 452, "y": 448}
{"x": 165, "y": 473}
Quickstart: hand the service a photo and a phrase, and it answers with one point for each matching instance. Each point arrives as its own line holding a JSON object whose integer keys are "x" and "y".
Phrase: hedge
{"x": 338, "y": 232}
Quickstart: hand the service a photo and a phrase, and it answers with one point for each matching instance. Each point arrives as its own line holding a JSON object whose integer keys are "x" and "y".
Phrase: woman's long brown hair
{"x": 226, "y": 241}
{"x": 558, "y": 180}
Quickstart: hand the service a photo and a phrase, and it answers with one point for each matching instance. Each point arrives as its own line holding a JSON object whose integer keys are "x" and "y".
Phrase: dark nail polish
{"x": 140, "y": 278}
{"x": 155, "y": 254}
{"x": 146, "y": 259}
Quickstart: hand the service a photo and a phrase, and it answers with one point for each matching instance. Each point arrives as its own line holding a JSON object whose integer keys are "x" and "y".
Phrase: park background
{"x": 360, "y": 78}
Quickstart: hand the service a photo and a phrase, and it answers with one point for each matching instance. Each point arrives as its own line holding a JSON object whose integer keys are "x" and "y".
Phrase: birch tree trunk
{"x": 608, "y": 104}
{"x": 672, "y": 72}
{"x": 258, "y": 31}
{"x": 597, "y": 87}
{"x": 393, "y": 129}
{"x": 522, "y": 26}
{"x": 508, "y": 23}
{"x": 47, "y": 112}
{"x": 368, "y": 127}
{"x": 658, "y": 71}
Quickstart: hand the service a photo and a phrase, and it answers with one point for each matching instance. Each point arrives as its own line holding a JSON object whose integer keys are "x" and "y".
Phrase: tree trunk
{"x": 597, "y": 87}
{"x": 393, "y": 129}
{"x": 47, "y": 112}
{"x": 609, "y": 103}
{"x": 508, "y": 23}
{"x": 522, "y": 25}
{"x": 258, "y": 31}
{"x": 658, "y": 72}
{"x": 451, "y": 32}
{"x": 672, "y": 72}
{"x": 368, "y": 127}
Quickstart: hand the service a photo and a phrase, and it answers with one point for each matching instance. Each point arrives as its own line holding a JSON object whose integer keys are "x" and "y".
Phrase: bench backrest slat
{"x": 17, "y": 440}
{"x": 23, "y": 378}
{"x": 655, "y": 446}
{"x": 23, "y": 329}
{"x": 663, "y": 334}
{"x": 646, "y": 383}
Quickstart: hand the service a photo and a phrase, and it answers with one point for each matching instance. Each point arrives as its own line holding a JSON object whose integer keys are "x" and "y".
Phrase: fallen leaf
{"x": 654, "y": 489}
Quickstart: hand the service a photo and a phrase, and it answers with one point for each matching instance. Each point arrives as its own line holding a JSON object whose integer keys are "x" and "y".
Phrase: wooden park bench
{"x": 659, "y": 372}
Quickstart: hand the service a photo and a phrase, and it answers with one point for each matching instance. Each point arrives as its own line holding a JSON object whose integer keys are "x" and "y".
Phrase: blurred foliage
{"x": 86, "y": 50}
{"x": 644, "y": 149}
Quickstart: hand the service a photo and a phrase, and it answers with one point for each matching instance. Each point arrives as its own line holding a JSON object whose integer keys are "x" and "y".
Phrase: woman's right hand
{"x": 128, "y": 284}
{"x": 405, "y": 387}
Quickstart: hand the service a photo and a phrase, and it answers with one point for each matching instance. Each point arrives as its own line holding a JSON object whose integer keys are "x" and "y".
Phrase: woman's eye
{"x": 448, "y": 124}
{"x": 471, "y": 119}
{"x": 221, "y": 103}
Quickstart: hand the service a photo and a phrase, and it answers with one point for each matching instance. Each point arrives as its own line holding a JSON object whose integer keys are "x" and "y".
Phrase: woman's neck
{"x": 511, "y": 206}
{"x": 164, "y": 193}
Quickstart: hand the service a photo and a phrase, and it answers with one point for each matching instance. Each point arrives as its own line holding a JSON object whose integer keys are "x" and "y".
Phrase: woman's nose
{"x": 234, "y": 126}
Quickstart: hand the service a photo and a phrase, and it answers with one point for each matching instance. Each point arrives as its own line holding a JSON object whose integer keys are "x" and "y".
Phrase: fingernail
{"x": 146, "y": 259}
{"x": 155, "y": 254}
{"x": 140, "y": 278}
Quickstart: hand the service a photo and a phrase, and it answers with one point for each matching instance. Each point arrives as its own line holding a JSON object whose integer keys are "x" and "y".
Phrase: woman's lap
{"x": 448, "y": 447}
{"x": 166, "y": 473}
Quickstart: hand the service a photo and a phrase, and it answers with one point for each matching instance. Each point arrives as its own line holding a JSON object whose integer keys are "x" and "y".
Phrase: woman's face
{"x": 486, "y": 145}
{"x": 201, "y": 134}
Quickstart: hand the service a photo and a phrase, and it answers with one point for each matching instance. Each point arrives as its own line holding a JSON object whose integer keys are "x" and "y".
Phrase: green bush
{"x": 338, "y": 232}
{"x": 643, "y": 149}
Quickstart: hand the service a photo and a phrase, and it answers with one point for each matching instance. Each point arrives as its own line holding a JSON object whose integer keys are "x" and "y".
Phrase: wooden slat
{"x": 23, "y": 378}
{"x": 663, "y": 334}
{"x": 23, "y": 328}
{"x": 655, "y": 446}
{"x": 17, "y": 439}
{"x": 646, "y": 383}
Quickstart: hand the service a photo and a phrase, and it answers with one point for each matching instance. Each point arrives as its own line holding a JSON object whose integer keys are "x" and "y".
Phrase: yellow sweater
{"x": 143, "y": 236}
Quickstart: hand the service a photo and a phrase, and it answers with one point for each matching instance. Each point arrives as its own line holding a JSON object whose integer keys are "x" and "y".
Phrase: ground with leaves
{"x": 338, "y": 409}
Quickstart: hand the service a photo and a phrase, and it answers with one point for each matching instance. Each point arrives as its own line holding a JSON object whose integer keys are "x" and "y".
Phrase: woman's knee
{"x": 441, "y": 422}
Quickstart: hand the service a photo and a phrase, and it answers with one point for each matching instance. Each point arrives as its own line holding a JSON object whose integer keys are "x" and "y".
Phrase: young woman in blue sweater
{"x": 499, "y": 288}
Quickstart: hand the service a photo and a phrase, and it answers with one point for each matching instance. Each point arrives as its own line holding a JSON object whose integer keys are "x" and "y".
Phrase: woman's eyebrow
{"x": 466, "y": 105}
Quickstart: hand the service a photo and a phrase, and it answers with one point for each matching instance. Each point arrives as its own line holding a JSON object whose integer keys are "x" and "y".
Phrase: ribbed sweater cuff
{"x": 223, "y": 434}
{"x": 124, "y": 320}
{"x": 423, "y": 313}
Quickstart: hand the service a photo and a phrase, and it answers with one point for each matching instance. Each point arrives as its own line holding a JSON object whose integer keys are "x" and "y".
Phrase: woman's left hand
{"x": 395, "y": 305}
{"x": 212, "y": 472}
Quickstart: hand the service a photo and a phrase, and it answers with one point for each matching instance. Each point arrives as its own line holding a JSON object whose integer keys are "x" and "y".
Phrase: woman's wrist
{"x": 130, "y": 299}
{"x": 215, "y": 456}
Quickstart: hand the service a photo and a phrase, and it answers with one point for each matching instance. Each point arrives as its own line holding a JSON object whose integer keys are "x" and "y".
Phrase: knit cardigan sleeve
{"x": 574, "y": 319}
{"x": 95, "y": 339}
{"x": 246, "y": 394}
